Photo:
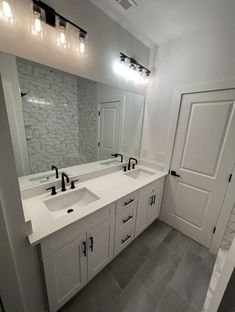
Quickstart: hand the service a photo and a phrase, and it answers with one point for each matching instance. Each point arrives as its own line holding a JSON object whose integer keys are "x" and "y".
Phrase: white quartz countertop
{"x": 109, "y": 188}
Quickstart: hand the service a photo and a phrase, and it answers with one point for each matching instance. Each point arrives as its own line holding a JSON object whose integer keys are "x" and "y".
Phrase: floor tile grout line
{"x": 172, "y": 286}
{"x": 172, "y": 250}
{"x": 150, "y": 255}
{"x": 169, "y": 283}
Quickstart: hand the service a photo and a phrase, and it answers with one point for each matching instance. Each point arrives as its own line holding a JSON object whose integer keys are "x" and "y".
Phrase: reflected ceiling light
{"x": 7, "y": 11}
{"x": 131, "y": 70}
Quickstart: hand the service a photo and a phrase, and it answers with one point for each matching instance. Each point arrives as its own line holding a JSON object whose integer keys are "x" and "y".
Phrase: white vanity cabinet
{"x": 125, "y": 222}
{"x": 149, "y": 202}
{"x": 71, "y": 259}
{"x": 73, "y": 255}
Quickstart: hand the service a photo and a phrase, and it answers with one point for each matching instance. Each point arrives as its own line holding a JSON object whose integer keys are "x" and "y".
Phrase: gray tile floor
{"x": 161, "y": 271}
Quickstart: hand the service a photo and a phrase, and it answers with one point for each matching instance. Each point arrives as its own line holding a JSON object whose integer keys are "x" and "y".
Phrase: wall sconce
{"x": 131, "y": 70}
{"x": 7, "y": 11}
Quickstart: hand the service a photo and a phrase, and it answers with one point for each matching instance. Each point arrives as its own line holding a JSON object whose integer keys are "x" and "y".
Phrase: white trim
{"x": 224, "y": 215}
{"x": 121, "y": 99}
{"x": 226, "y": 209}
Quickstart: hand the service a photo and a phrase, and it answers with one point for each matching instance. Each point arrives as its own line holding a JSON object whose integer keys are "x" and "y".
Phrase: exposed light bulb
{"x": 62, "y": 35}
{"x": 37, "y": 24}
{"x": 7, "y": 12}
{"x": 81, "y": 47}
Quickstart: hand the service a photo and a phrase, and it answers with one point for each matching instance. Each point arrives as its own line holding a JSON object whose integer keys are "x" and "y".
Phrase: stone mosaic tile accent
{"x": 229, "y": 232}
{"x": 221, "y": 257}
{"x": 60, "y": 115}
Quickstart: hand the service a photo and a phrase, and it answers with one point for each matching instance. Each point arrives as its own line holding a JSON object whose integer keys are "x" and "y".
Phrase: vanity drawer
{"x": 125, "y": 227}
{"x": 124, "y": 235}
{"x": 127, "y": 201}
{"x": 71, "y": 232}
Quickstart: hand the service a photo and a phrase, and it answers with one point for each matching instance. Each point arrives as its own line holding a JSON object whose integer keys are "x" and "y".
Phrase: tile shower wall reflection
{"x": 60, "y": 116}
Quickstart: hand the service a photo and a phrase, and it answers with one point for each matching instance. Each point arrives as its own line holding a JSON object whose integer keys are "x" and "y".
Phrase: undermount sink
{"x": 70, "y": 202}
{"x": 139, "y": 174}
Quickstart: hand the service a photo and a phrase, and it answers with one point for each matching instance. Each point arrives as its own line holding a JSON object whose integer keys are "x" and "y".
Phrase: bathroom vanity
{"x": 81, "y": 230}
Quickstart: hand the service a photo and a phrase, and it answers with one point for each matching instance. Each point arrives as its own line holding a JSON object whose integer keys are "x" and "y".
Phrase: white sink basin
{"x": 68, "y": 203}
{"x": 139, "y": 174}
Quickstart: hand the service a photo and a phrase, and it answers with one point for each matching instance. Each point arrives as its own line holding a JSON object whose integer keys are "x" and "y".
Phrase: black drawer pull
{"x": 129, "y": 217}
{"x": 125, "y": 239}
{"x": 84, "y": 248}
{"x": 91, "y": 243}
{"x": 128, "y": 202}
{"x": 154, "y": 199}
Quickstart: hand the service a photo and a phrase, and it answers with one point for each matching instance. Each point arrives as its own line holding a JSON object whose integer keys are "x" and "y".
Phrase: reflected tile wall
{"x": 54, "y": 112}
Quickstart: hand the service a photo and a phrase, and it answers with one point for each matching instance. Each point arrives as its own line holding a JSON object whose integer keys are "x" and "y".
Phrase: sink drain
{"x": 69, "y": 210}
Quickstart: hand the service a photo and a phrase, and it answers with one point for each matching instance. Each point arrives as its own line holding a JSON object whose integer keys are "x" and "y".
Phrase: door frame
{"x": 180, "y": 91}
{"x": 109, "y": 99}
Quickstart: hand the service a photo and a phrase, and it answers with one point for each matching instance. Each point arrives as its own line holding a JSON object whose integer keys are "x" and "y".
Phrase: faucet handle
{"x": 53, "y": 190}
{"x": 73, "y": 184}
{"x": 124, "y": 168}
{"x": 133, "y": 166}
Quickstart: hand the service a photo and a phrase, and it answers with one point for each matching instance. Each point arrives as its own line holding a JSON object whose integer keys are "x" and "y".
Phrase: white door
{"x": 100, "y": 246}
{"x": 203, "y": 157}
{"x": 66, "y": 273}
{"x": 110, "y": 128}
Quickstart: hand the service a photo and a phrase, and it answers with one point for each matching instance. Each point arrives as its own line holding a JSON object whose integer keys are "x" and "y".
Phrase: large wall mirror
{"x": 69, "y": 120}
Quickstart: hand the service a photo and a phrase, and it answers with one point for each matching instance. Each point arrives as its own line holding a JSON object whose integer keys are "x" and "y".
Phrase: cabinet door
{"x": 66, "y": 272}
{"x": 153, "y": 208}
{"x": 155, "y": 202}
{"x": 100, "y": 246}
{"x": 142, "y": 214}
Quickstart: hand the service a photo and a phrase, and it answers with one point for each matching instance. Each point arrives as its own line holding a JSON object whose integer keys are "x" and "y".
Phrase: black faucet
{"x": 64, "y": 175}
{"x": 129, "y": 163}
{"x": 56, "y": 171}
{"x": 116, "y": 155}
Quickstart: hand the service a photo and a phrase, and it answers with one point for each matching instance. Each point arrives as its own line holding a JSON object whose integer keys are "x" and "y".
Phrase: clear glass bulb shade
{"x": 62, "y": 37}
{"x": 7, "y": 11}
{"x": 38, "y": 27}
{"x": 81, "y": 45}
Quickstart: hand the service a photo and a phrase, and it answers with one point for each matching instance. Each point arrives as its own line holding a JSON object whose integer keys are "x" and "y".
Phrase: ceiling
{"x": 155, "y": 22}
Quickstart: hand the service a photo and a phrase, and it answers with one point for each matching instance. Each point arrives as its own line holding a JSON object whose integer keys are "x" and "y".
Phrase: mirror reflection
{"x": 69, "y": 120}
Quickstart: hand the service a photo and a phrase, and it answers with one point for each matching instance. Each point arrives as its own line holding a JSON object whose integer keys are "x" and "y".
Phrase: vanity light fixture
{"x": 62, "y": 25}
{"x": 7, "y": 11}
{"x": 131, "y": 70}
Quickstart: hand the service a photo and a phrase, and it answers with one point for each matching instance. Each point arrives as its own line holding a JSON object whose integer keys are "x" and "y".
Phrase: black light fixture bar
{"x": 51, "y": 14}
{"x": 123, "y": 57}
